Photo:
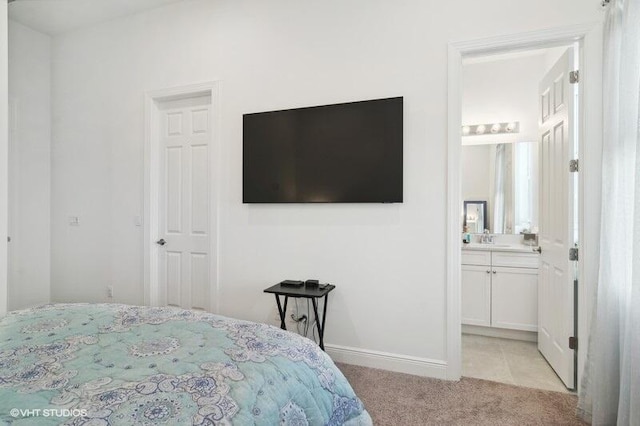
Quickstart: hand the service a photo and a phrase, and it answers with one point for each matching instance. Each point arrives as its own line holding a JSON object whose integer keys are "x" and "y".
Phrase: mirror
{"x": 475, "y": 213}
{"x": 506, "y": 176}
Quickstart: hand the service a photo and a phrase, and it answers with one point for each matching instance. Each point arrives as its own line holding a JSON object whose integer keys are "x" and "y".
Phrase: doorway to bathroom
{"x": 519, "y": 209}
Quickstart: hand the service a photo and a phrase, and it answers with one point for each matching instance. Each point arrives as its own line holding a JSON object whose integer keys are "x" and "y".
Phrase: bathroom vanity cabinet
{"x": 500, "y": 289}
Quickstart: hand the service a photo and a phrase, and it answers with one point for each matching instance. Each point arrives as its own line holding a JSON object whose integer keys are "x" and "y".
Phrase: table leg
{"x": 282, "y": 312}
{"x": 324, "y": 313}
{"x": 319, "y": 326}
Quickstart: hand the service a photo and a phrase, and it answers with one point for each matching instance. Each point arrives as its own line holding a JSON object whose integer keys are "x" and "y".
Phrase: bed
{"x": 102, "y": 364}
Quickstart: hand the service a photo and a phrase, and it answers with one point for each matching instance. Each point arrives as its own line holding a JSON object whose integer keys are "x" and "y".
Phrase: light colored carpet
{"x": 402, "y": 399}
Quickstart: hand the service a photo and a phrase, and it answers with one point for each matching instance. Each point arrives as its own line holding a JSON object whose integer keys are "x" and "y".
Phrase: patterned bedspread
{"x": 101, "y": 364}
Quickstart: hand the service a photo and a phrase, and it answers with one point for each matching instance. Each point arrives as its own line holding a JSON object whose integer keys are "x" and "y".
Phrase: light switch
{"x": 137, "y": 221}
{"x": 74, "y": 220}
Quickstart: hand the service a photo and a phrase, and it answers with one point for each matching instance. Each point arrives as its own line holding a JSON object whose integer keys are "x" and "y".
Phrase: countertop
{"x": 518, "y": 248}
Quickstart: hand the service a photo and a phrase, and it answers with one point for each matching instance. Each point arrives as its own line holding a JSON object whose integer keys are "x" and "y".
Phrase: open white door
{"x": 184, "y": 232}
{"x": 556, "y": 310}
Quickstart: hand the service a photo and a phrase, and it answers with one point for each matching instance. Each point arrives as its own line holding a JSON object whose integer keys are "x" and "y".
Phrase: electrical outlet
{"x": 110, "y": 292}
{"x": 291, "y": 324}
{"x": 298, "y": 318}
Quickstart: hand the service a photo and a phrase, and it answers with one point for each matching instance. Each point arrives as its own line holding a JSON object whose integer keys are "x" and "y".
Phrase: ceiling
{"x": 55, "y": 17}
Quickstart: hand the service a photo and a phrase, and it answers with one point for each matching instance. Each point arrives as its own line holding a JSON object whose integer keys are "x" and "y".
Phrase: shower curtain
{"x": 503, "y": 190}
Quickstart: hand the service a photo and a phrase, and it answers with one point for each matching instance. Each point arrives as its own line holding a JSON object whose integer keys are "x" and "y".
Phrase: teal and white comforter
{"x": 101, "y": 364}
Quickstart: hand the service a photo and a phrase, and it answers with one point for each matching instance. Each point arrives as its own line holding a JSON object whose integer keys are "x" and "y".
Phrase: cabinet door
{"x": 514, "y": 298}
{"x": 476, "y": 295}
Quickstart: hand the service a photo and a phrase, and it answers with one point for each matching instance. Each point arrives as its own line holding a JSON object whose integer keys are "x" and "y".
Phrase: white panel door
{"x": 184, "y": 204}
{"x": 557, "y": 236}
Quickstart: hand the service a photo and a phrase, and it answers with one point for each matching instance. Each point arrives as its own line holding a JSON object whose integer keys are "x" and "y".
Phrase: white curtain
{"x": 610, "y": 391}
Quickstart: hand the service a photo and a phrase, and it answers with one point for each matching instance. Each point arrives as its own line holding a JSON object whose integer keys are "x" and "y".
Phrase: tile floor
{"x": 508, "y": 361}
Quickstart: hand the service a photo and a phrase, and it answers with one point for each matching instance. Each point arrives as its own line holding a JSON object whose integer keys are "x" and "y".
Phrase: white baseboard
{"x": 388, "y": 361}
{"x": 528, "y": 336}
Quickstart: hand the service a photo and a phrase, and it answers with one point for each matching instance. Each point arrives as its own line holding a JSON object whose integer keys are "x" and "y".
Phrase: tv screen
{"x": 343, "y": 153}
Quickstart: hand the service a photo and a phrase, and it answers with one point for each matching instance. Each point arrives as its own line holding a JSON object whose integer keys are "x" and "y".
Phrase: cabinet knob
{"x": 494, "y": 272}
{"x": 488, "y": 271}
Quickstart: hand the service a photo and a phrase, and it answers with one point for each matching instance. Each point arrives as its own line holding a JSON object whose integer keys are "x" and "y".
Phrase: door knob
{"x": 161, "y": 242}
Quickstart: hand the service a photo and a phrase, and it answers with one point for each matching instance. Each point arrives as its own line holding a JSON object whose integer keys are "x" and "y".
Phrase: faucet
{"x": 486, "y": 238}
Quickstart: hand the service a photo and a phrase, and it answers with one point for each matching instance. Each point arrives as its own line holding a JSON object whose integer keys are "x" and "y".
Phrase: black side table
{"x": 309, "y": 293}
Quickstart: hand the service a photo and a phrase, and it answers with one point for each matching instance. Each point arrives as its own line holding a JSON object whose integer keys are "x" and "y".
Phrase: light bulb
{"x": 466, "y": 130}
{"x": 495, "y": 128}
{"x": 511, "y": 127}
{"x": 480, "y": 129}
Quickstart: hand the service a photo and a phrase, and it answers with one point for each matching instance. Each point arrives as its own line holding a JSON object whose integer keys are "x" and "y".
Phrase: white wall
{"x": 504, "y": 90}
{"x": 4, "y": 157}
{"x": 30, "y": 164}
{"x": 388, "y": 261}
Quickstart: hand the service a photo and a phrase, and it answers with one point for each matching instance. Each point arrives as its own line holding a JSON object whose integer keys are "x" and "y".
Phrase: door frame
{"x": 589, "y": 37}
{"x": 4, "y": 158}
{"x": 152, "y": 185}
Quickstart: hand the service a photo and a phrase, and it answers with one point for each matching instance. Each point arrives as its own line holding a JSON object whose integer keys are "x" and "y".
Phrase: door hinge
{"x": 573, "y": 253}
{"x": 573, "y": 342}
{"x": 574, "y": 77}
{"x": 574, "y": 166}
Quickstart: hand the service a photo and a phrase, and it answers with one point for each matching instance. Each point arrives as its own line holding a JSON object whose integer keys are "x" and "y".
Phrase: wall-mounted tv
{"x": 342, "y": 153}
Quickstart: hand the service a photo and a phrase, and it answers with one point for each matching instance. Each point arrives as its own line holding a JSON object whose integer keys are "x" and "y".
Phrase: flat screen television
{"x": 342, "y": 153}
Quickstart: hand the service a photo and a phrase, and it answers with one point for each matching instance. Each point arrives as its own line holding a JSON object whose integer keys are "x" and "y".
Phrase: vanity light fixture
{"x": 511, "y": 127}
{"x": 494, "y": 128}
